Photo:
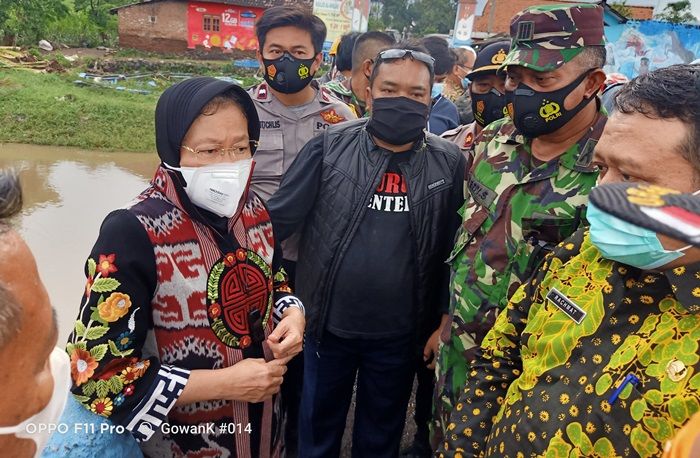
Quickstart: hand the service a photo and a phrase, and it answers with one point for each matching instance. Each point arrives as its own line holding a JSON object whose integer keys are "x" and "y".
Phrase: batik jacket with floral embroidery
{"x": 168, "y": 293}
{"x": 545, "y": 385}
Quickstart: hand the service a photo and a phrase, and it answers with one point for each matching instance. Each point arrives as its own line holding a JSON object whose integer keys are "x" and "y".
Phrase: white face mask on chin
{"x": 51, "y": 413}
{"x": 217, "y": 187}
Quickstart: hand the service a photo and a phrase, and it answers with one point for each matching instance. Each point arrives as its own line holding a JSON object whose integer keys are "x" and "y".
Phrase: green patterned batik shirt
{"x": 516, "y": 210}
{"x": 547, "y": 383}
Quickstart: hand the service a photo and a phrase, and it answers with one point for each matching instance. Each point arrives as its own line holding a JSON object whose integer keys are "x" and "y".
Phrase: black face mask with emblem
{"x": 288, "y": 74}
{"x": 539, "y": 113}
{"x": 488, "y": 107}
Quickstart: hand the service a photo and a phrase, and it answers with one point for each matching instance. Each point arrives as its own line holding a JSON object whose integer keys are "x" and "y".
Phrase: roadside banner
{"x": 464, "y": 23}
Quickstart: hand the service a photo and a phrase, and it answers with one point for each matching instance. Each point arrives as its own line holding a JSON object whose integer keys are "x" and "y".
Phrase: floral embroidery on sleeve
{"x": 91, "y": 347}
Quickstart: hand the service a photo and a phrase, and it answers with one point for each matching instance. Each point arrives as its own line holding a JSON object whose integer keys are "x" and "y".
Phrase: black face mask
{"x": 397, "y": 120}
{"x": 488, "y": 107}
{"x": 540, "y": 113}
{"x": 288, "y": 74}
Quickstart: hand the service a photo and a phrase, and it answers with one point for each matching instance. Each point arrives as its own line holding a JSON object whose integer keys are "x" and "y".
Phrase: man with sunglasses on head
{"x": 376, "y": 200}
{"x": 529, "y": 183}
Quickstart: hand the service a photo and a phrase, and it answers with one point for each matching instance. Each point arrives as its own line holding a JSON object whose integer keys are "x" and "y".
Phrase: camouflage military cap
{"x": 546, "y": 37}
{"x": 489, "y": 59}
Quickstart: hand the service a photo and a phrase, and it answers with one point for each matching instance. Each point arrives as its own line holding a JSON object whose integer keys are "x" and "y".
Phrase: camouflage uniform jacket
{"x": 343, "y": 91}
{"x": 549, "y": 378}
{"x": 515, "y": 213}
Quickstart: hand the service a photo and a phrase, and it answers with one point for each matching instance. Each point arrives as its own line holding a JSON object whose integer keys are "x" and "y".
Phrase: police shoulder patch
{"x": 468, "y": 140}
{"x": 331, "y": 117}
{"x": 262, "y": 92}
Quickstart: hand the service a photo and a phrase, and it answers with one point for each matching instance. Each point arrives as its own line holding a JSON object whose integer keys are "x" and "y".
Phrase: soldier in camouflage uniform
{"x": 530, "y": 179}
{"x": 353, "y": 90}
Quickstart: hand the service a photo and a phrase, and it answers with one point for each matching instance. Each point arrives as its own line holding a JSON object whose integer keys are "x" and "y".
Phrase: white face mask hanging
{"x": 39, "y": 423}
{"x": 218, "y": 188}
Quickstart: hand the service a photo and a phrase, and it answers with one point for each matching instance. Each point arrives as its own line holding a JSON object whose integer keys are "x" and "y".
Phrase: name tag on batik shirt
{"x": 566, "y": 305}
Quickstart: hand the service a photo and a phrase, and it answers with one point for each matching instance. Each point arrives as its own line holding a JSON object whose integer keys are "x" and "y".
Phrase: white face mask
{"x": 39, "y": 423}
{"x": 217, "y": 187}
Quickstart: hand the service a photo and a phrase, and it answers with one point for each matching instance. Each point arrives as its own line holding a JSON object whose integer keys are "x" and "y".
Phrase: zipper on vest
{"x": 414, "y": 242}
{"x": 343, "y": 247}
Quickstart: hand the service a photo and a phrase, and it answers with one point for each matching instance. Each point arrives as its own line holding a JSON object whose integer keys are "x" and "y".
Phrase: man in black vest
{"x": 376, "y": 200}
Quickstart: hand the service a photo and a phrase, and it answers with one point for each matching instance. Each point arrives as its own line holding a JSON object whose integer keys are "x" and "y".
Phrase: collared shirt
{"x": 453, "y": 91}
{"x": 545, "y": 383}
{"x": 283, "y": 132}
{"x": 463, "y": 136}
{"x": 517, "y": 210}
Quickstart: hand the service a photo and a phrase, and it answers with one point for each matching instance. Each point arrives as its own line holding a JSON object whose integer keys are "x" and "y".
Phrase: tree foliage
{"x": 98, "y": 10}
{"x": 622, "y": 8}
{"x": 23, "y": 21}
{"x": 677, "y": 13}
{"x": 419, "y": 17}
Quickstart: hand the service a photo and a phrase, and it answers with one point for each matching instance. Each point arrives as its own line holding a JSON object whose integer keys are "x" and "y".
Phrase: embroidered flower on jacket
{"x": 129, "y": 390}
{"x": 88, "y": 285}
{"x": 114, "y": 307}
{"x": 119, "y": 399}
{"x": 102, "y": 406}
{"x": 124, "y": 340}
{"x": 229, "y": 259}
{"x": 133, "y": 372}
{"x": 105, "y": 265}
{"x": 82, "y": 366}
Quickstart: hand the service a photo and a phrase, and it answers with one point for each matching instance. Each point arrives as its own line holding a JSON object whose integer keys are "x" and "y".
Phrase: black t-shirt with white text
{"x": 373, "y": 295}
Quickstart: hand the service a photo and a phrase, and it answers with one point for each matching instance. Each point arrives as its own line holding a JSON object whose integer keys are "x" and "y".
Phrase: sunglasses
{"x": 391, "y": 54}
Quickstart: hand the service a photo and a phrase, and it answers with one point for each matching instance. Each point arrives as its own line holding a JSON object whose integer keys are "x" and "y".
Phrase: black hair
{"x": 294, "y": 16}
{"x": 343, "y": 57}
{"x": 364, "y": 46}
{"x": 403, "y": 45}
{"x": 592, "y": 57}
{"x": 10, "y": 195}
{"x": 668, "y": 93}
{"x": 444, "y": 57}
{"x": 10, "y": 205}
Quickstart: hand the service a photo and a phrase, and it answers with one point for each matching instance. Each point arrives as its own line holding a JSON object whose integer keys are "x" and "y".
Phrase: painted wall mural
{"x": 638, "y": 47}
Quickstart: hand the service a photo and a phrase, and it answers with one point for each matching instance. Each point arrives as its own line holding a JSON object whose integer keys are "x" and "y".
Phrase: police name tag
{"x": 565, "y": 304}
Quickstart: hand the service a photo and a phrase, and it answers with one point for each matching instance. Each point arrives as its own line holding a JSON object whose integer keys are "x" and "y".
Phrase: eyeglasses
{"x": 235, "y": 153}
{"x": 390, "y": 54}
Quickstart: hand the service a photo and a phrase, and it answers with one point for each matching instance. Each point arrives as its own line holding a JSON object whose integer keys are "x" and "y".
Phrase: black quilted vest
{"x": 352, "y": 168}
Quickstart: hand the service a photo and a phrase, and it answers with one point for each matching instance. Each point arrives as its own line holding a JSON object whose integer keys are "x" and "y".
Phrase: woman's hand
{"x": 287, "y": 339}
{"x": 250, "y": 380}
{"x": 253, "y": 380}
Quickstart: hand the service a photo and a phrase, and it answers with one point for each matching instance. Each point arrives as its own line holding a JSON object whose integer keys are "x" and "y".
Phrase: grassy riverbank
{"x": 48, "y": 109}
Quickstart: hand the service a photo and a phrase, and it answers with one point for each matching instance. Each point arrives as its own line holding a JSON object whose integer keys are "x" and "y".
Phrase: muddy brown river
{"x": 67, "y": 194}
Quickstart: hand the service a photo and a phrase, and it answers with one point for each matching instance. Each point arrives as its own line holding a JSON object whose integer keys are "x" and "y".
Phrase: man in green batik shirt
{"x": 597, "y": 355}
{"x": 531, "y": 176}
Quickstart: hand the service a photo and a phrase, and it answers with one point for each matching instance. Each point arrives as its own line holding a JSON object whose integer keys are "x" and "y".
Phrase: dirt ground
{"x": 83, "y": 52}
{"x": 408, "y": 432}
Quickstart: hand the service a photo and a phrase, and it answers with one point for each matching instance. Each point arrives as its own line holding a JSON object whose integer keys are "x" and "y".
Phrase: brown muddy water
{"x": 67, "y": 194}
